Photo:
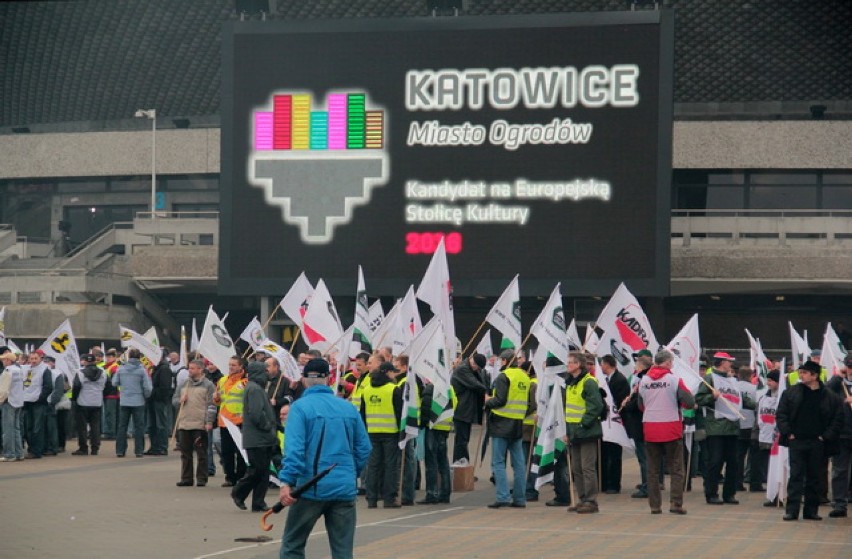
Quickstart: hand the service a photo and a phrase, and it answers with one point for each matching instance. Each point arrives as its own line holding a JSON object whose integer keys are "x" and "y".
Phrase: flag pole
{"x": 515, "y": 355}
{"x": 477, "y": 460}
{"x": 281, "y": 371}
{"x": 472, "y": 338}
{"x": 687, "y": 474}
{"x": 570, "y": 478}
{"x": 295, "y": 339}
{"x": 263, "y": 327}
{"x": 402, "y": 472}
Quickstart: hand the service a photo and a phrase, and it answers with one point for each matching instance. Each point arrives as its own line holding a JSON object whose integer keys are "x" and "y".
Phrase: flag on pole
{"x": 193, "y": 344}
{"x": 484, "y": 346}
{"x": 183, "y": 358}
{"x": 686, "y": 345}
{"x": 801, "y": 350}
{"x": 382, "y": 335}
{"x": 613, "y": 425}
{"x": 833, "y": 352}
{"x": 236, "y": 434}
{"x": 297, "y": 298}
{"x": 779, "y": 465}
{"x": 134, "y": 340}
{"x": 321, "y": 325}
{"x": 409, "y": 420}
{"x": 62, "y": 346}
{"x": 253, "y": 333}
{"x": 573, "y": 335}
{"x": 3, "y": 326}
{"x": 505, "y": 315}
{"x": 757, "y": 359}
{"x": 151, "y": 335}
{"x": 592, "y": 340}
{"x": 428, "y": 359}
{"x": 375, "y": 316}
{"x": 436, "y": 291}
{"x": 289, "y": 366}
{"x": 215, "y": 343}
{"x": 407, "y": 324}
{"x": 360, "y": 338}
{"x": 550, "y": 439}
{"x": 624, "y": 319}
{"x": 549, "y": 327}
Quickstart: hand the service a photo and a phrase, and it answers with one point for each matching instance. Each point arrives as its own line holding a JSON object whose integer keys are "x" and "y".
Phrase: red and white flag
{"x": 613, "y": 425}
{"x": 624, "y": 318}
{"x": 320, "y": 323}
{"x": 295, "y": 302}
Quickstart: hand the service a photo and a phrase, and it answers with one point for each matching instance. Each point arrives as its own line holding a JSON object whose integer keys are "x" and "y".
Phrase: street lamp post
{"x": 152, "y": 114}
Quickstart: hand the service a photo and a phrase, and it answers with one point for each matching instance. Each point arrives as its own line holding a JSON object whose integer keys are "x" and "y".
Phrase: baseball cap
{"x": 316, "y": 368}
{"x": 39, "y": 352}
{"x": 387, "y": 367}
{"x": 88, "y": 358}
{"x": 642, "y": 353}
{"x": 721, "y": 355}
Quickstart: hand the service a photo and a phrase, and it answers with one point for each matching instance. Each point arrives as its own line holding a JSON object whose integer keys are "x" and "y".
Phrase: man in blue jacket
{"x": 322, "y": 430}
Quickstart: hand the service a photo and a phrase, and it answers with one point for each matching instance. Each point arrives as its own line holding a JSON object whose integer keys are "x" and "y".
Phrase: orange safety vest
{"x": 231, "y": 390}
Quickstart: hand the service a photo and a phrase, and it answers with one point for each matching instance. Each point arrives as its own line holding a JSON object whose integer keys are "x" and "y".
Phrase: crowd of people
{"x": 259, "y": 422}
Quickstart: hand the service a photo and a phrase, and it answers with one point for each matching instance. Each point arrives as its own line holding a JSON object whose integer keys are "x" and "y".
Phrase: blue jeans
{"x": 211, "y": 462}
{"x": 499, "y": 447}
{"x": 12, "y": 444}
{"x": 110, "y": 417}
{"x": 643, "y": 463}
{"x": 138, "y": 415}
{"x": 437, "y": 465}
{"x": 532, "y": 492}
{"x": 339, "y": 525}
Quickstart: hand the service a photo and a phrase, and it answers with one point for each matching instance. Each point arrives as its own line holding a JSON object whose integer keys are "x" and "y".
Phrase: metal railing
{"x": 778, "y": 227}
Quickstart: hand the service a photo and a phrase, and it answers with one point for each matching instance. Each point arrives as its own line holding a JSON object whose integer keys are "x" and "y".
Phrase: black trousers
{"x": 461, "y": 441}
{"x": 806, "y": 463}
{"x": 232, "y": 460}
{"x": 611, "y": 466}
{"x": 189, "y": 441}
{"x": 721, "y": 451}
{"x": 88, "y": 418}
{"x": 383, "y": 468}
{"x": 256, "y": 480}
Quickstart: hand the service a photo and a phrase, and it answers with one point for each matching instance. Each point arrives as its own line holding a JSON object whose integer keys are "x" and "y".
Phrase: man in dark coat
{"x": 470, "y": 385}
{"x": 611, "y": 452}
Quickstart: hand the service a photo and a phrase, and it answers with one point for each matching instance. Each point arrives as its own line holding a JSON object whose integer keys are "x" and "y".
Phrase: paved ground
{"x": 102, "y": 506}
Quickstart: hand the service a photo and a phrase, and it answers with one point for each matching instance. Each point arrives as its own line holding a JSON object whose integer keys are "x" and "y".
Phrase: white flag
{"x": 360, "y": 339}
{"x": 592, "y": 340}
{"x": 612, "y": 344}
{"x": 428, "y": 359}
{"x": 779, "y": 465}
{"x": 375, "y": 318}
{"x": 289, "y": 366}
{"x": 320, "y": 324}
{"x": 382, "y": 335}
{"x": 484, "y": 345}
{"x": 134, "y": 340}
{"x": 62, "y": 346}
{"x": 573, "y": 335}
{"x": 549, "y": 327}
{"x": 409, "y": 427}
{"x": 235, "y": 432}
{"x": 215, "y": 343}
{"x": 757, "y": 359}
{"x": 193, "y": 344}
{"x": 505, "y": 315}
{"x": 436, "y": 291}
{"x": 624, "y": 319}
{"x": 833, "y": 352}
{"x": 407, "y": 324}
{"x": 182, "y": 359}
{"x": 297, "y": 298}
{"x": 3, "y": 326}
{"x": 801, "y": 351}
{"x": 253, "y": 333}
{"x": 686, "y": 345}
{"x": 613, "y": 425}
{"x": 550, "y": 439}
{"x": 151, "y": 335}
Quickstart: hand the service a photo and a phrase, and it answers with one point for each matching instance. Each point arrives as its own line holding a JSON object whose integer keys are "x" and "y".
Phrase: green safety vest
{"x": 378, "y": 408}
{"x": 517, "y": 400}
{"x": 575, "y": 405}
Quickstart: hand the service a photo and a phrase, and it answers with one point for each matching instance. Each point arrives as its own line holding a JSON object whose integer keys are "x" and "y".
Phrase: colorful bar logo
{"x": 295, "y": 124}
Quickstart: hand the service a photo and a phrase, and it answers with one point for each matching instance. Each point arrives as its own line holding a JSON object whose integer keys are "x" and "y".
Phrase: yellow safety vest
{"x": 355, "y": 397}
{"x": 401, "y": 384}
{"x": 518, "y": 397}
{"x": 378, "y": 408}
{"x": 575, "y": 404}
{"x": 447, "y": 423}
{"x": 530, "y": 419}
{"x": 231, "y": 400}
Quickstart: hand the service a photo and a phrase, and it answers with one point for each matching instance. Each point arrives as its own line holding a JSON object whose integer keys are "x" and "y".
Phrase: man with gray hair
{"x": 196, "y": 413}
{"x": 661, "y": 397}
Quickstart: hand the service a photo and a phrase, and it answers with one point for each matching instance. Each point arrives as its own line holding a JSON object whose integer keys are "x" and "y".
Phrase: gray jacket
{"x": 89, "y": 385}
{"x": 134, "y": 383}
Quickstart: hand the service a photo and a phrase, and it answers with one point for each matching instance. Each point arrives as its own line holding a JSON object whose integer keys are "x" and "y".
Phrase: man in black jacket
{"x": 470, "y": 385}
{"x": 161, "y": 407}
{"x": 808, "y": 418}
{"x": 611, "y": 452}
{"x": 841, "y": 385}
{"x": 631, "y": 415}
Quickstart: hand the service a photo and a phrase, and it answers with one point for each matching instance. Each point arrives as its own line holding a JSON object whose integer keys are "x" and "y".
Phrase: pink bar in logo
{"x": 337, "y": 121}
{"x": 263, "y": 131}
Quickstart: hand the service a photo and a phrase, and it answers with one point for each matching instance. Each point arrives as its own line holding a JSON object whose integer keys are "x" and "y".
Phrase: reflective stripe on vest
{"x": 530, "y": 419}
{"x": 355, "y": 397}
{"x": 575, "y": 405}
{"x": 231, "y": 400}
{"x": 518, "y": 395}
{"x": 378, "y": 408}
{"x": 447, "y": 422}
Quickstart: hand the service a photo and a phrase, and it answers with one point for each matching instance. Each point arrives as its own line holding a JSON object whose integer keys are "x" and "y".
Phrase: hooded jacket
{"x": 134, "y": 383}
{"x": 661, "y": 397}
{"x": 89, "y": 386}
{"x": 259, "y": 425}
{"x": 470, "y": 387}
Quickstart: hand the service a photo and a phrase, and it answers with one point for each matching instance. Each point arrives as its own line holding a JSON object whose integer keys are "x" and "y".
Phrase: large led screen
{"x": 533, "y": 145}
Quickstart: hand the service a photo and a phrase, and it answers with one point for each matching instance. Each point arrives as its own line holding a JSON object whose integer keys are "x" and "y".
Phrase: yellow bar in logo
{"x": 301, "y": 121}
